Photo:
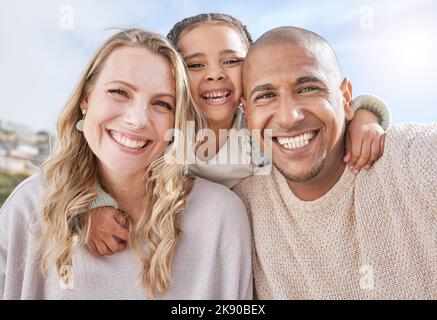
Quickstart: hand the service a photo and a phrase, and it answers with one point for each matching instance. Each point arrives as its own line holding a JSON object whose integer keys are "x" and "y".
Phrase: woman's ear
{"x": 84, "y": 103}
{"x": 346, "y": 92}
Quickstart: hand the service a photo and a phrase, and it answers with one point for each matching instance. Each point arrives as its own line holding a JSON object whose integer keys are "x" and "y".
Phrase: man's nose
{"x": 289, "y": 113}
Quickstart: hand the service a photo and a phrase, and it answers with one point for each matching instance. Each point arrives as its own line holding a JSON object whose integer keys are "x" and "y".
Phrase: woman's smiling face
{"x": 129, "y": 109}
{"x": 214, "y": 53}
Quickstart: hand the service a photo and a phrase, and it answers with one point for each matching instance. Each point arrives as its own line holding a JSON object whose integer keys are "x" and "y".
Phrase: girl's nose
{"x": 215, "y": 74}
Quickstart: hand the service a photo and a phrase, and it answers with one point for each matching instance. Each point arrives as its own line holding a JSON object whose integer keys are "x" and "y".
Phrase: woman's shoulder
{"x": 215, "y": 192}
{"x": 26, "y": 197}
{"x": 215, "y": 200}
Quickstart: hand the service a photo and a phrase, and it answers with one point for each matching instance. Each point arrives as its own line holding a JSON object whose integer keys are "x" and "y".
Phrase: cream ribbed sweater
{"x": 373, "y": 236}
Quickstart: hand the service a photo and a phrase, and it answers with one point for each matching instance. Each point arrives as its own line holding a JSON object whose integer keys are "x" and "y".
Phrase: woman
{"x": 188, "y": 238}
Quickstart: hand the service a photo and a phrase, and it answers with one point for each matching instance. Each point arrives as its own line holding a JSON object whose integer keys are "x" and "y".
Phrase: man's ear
{"x": 346, "y": 92}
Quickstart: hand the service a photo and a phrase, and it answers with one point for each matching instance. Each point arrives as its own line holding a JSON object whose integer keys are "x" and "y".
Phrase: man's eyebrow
{"x": 194, "y": 55}
{"x": 303, "y": 80}
{"x": 261, "y": 87}
{"x": 123, "y": 82}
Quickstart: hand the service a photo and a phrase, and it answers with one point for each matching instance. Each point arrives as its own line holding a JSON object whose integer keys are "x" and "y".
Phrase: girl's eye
{"x": 265, "y": 96}
{"x": 164, "y": 105}
{"x": 233, "y": 61}
{"x": 307, "y": 89}
{"x": 195, "y": 66}
{"x": 119, "y": 92}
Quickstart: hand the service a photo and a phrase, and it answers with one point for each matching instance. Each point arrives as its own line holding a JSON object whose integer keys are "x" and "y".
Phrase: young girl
{"x": 213, "y": 47}
{"x": 112, "y": 137}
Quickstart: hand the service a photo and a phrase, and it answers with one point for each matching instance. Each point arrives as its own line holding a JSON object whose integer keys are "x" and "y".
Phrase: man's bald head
{"x": 312, "y": 43}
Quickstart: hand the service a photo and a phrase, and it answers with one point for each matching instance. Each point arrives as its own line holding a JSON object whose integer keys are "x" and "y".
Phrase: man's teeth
{"x": 296, "y": 142}
{"x": 216, "y": 96}
{"x": 133, "y": 144}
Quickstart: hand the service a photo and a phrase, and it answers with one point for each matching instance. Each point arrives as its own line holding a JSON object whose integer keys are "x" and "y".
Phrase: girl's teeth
{"x": 133, "y": 144}
{"x": 296, "y": 142}
{"x": 216, "y": 96}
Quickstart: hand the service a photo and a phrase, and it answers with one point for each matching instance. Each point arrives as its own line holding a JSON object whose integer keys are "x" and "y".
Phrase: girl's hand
{"x": 108, "y": 231}
{"x": 364, "y": 141}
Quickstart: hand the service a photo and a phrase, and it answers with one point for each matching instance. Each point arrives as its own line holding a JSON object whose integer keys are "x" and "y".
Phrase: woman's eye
{"x": 195, "y": 66}
{"x": 119, "y": 92}
{"x": 307, "y": 89}
{"x": 164, "y": 105}
{"x": 265, "y": 96}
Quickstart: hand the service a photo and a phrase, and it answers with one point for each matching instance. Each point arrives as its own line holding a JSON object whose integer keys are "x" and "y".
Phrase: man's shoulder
{"x": 411, "y": 145}
{"x": 409, "y": 134}
{"x": 253, "y": 186}
{"x": 408, "y": 161}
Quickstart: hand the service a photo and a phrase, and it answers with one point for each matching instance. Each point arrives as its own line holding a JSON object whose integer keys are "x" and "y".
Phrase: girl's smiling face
{"x": 214, "y": 53}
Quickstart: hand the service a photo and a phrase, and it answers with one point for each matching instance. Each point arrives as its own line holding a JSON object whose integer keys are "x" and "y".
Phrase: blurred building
{"x": 21, "y": 149}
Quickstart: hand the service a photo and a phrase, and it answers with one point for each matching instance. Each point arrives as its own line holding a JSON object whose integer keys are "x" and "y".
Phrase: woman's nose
{"x": 137, "y": 117}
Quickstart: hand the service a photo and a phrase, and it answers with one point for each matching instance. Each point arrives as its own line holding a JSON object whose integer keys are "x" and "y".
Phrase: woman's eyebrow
{"x": 164, "y": 94}
{"x": 134, "y": 88}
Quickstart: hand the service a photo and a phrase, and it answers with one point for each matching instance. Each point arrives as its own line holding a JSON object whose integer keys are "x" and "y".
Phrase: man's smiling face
{"x": 296, "y": 91}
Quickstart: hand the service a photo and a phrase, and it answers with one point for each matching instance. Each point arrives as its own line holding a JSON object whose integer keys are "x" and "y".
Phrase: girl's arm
{"x": 107, "y": 227}
{"x": 366, "y": 132}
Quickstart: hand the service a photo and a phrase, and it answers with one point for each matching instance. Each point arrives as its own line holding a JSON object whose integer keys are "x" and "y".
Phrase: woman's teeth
{"x": 296, "y": 142}
{"x": 133, "y": 144}
{"x": 216, "y": 96}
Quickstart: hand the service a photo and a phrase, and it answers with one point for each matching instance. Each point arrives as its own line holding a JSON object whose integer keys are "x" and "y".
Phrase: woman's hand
{"x": 364, "y": 141}
{"x": 108, "y": 231}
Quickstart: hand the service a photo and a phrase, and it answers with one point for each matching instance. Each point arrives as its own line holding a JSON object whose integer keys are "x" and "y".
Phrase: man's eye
{"x": 119, "y": 92}
{"x": 195, "y": 66}
{"x": 265, "y": 96}
{"x": 307, "y": 89}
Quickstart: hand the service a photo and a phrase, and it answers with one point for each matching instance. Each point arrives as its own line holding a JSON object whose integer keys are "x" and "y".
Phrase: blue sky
{"x": 385, "y": 47}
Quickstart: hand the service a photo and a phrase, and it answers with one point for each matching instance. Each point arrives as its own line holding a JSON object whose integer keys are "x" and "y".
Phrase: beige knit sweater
{"x": 373, "y": 236}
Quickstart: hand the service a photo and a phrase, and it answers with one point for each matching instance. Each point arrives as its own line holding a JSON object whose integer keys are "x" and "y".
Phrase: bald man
{"x": 319, "y": 231}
